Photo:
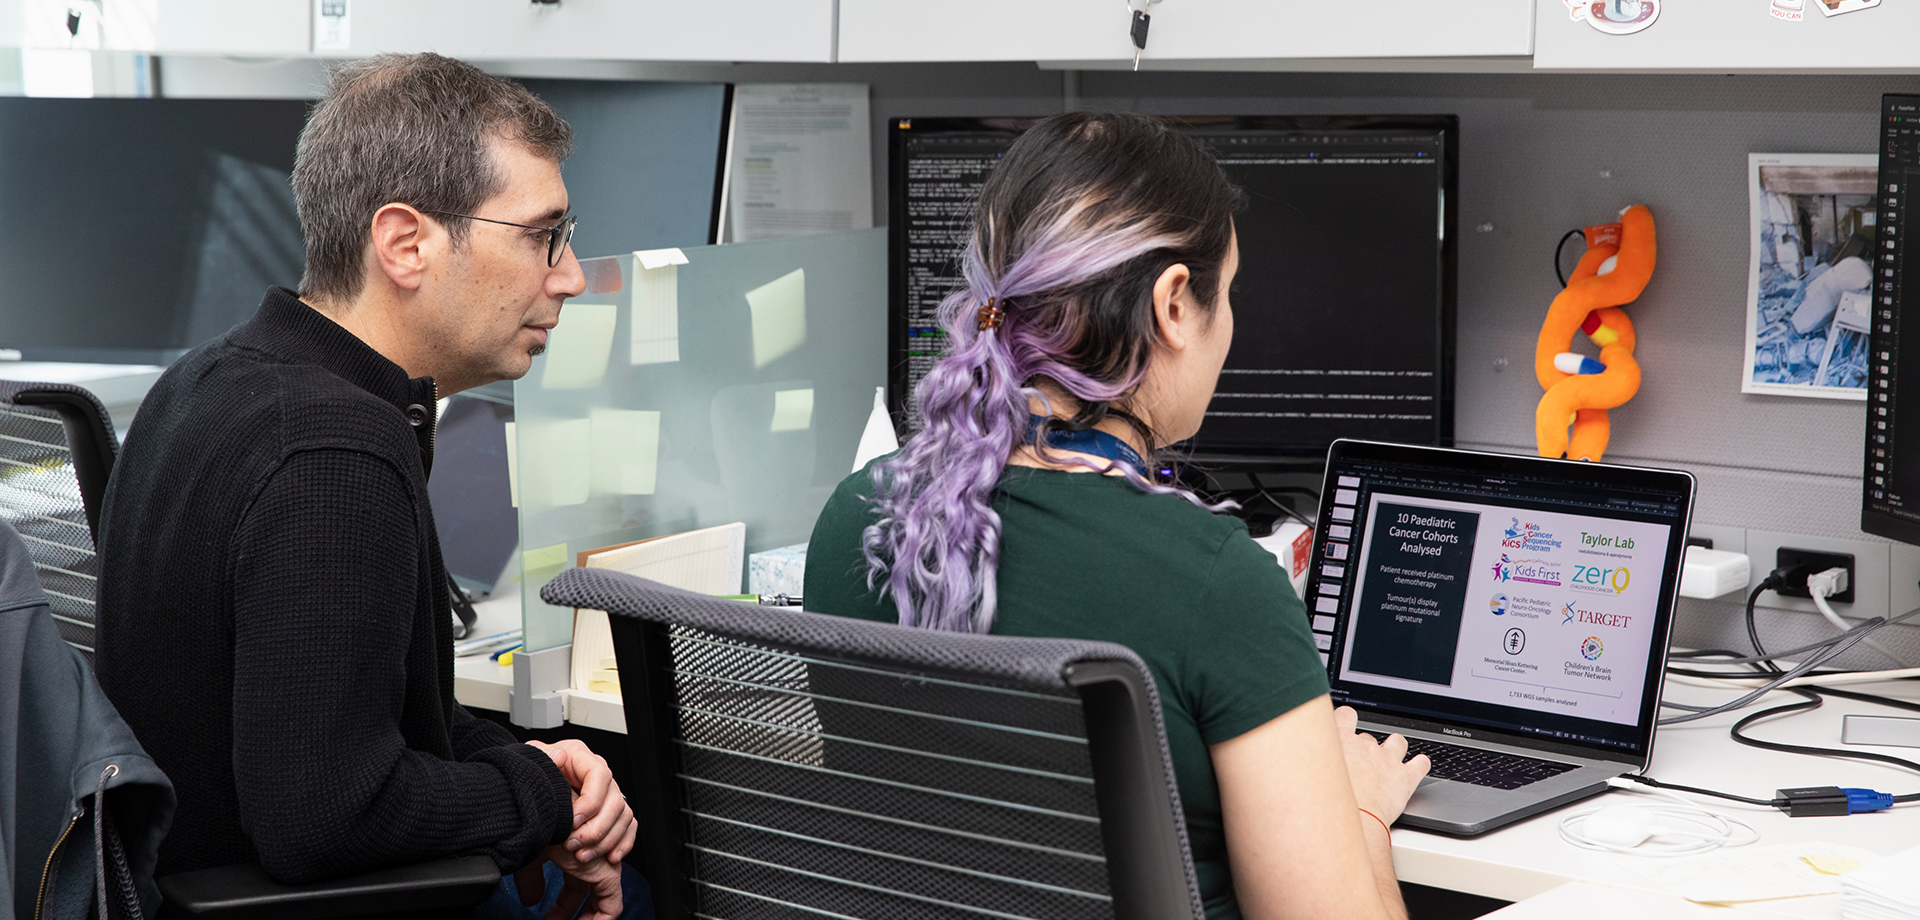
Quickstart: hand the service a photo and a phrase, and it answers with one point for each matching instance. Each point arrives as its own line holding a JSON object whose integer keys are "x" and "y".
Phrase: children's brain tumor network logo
{"x": 1592, "y": 648}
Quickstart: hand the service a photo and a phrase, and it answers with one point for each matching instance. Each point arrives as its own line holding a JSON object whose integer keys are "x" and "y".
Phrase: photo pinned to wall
{"x": 1809, "y": 298}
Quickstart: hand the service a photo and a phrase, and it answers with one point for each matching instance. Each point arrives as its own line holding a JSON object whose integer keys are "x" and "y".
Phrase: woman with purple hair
{"x": 1089, "y": 337}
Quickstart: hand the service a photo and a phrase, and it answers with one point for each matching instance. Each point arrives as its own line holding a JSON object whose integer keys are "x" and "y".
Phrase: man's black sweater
{"x": 274, "y": 622}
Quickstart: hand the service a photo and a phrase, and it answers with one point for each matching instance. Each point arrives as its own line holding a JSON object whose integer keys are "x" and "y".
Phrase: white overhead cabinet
{"x": 647, "y": 30}
{"x": 1733, "y": 36}
{"x": 246, "y": 28}
{"x": 1065, "y": 31}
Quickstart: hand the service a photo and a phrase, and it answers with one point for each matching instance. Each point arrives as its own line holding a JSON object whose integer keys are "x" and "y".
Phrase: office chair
{"x": 791, "y": 764}
{"x": 57, "y": 450}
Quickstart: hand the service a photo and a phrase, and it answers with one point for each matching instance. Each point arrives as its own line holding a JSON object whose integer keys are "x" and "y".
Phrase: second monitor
{"x": 1344, "y": 304}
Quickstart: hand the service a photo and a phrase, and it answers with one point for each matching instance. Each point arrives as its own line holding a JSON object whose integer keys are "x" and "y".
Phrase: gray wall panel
{"x": 1543, "y": 153}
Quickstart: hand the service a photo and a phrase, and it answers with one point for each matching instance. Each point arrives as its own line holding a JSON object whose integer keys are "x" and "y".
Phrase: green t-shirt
{"x": 1087, "y": 556}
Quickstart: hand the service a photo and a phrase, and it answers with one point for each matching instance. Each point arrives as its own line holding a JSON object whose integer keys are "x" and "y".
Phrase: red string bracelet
{"x": 1383, "y": 824}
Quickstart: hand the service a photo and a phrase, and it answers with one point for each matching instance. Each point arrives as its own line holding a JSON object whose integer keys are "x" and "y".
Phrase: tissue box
{"x": 778, "y": 571}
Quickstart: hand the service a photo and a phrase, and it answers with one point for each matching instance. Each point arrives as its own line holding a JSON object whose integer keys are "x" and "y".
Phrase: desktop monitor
{"x": 1344, "y": 305}
{"x": 1890, "y": 503}
{"x": 474, "y": 512}
{"x": 131, "y": 230}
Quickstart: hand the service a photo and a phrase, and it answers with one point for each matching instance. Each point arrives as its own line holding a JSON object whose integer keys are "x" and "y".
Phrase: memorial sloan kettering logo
{"x": 1534, "y": 571}
{"x": 1528, "y": 536}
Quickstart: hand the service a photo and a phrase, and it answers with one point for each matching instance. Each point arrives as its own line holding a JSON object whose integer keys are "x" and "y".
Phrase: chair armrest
{"x": 244, "y": 892}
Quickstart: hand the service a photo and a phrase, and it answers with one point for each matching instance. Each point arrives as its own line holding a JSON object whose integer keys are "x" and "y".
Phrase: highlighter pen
{"x": 485, "y": 644}
{"x": 764, "y": 600}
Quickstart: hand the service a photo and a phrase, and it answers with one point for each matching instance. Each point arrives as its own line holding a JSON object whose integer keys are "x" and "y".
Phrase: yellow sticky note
{"x": 578, "y": 348}
{"x": 792, "y": 410}
{"x": 555, "y": 458}
{"x": 545, "y": 556}
{"x": 540, "y": 565}
{"x": 1831, "y": 865}
{"x": 626, "y": 451}
{"x": 779, "y": 310}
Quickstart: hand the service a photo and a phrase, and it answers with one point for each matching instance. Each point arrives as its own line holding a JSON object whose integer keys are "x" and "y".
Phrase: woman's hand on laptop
{"x": 1382, "y": 783}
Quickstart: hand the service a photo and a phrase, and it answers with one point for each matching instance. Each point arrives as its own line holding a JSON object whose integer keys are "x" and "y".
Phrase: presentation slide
{"x": 1533, "y": 609}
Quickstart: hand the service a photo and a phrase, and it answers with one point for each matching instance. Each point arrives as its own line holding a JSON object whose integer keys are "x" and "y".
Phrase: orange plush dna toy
{"x": 1615, "y": 269}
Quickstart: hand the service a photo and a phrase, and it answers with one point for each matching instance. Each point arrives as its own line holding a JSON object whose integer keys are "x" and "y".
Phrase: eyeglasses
{"x": 558, "y": 235}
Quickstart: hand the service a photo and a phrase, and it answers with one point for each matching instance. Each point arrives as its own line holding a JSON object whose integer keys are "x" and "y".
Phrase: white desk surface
{"x": 482, "y": 684}
{"x": 1528, "y": 860}
{"x": 477, "y": 682}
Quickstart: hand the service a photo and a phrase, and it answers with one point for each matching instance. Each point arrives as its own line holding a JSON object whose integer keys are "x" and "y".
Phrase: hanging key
{"x": 1138, "y": 30}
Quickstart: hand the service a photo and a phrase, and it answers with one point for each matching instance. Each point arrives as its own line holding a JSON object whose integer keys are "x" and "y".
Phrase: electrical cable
{"x": 1283, "y": 506}
{"x": 1869, "y": 698}
{"x": 1556, "y": 255}
{"x": 1762, "y": 660}
{"x": 1622, "y": 828}
{"x": 1826, "y": 610}
{"x": 1840, "y": 645}
{"x": 1803, "y": 679}
{"x": 1650, "y": 781}
{"x": 1873, "y": 623}
{"x": 1811, "y": 702}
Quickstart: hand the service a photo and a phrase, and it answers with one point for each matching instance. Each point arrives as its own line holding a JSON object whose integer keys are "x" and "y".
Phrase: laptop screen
{"x": 1526, "y": 596}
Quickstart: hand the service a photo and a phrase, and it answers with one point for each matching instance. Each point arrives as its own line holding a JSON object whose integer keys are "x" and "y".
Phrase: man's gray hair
{"x": 412, "y": 129}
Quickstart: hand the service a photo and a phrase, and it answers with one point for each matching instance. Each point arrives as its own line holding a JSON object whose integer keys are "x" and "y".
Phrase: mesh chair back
{"x": 56, "y": 452}
{"x": 792, "y": 764}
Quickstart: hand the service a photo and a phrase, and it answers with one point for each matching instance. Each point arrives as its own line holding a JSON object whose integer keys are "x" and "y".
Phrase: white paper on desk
{"x": 1748, "y": 873}
{"x": 706, "y": 561}
{"x": 799, "y": 161}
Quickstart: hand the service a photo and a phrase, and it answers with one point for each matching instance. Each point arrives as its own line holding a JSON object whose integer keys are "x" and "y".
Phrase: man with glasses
{"x": 273, "y": 610}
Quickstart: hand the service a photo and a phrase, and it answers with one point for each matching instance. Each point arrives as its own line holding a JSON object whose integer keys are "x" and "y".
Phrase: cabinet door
{"x": 248, "y": 28}
{"x": 1724, "y": 36}
{"x": 651, "y": 30}
{"x": 1191, "y": 30}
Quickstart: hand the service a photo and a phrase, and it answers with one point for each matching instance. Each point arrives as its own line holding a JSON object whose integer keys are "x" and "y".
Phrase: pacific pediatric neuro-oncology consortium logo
{"x": 1498, "y": 605}
{"x": 1592, "y": 648}
{"x": 1528, "y": 536}
{"x": 1535, "y": 571}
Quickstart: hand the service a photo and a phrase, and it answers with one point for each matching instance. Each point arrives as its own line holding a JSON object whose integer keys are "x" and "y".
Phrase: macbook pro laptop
{"x": 1509, "y": 615}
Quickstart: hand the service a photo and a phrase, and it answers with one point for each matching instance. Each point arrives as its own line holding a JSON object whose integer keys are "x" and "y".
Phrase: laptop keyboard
{"x": 1481, "y": 767}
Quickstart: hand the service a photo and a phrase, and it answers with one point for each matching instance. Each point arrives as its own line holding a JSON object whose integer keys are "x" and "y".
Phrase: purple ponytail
{"x": 1072, "y": 229}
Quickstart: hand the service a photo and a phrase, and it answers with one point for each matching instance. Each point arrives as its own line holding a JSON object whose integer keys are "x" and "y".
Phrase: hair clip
{"x": 991, "y": 316}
